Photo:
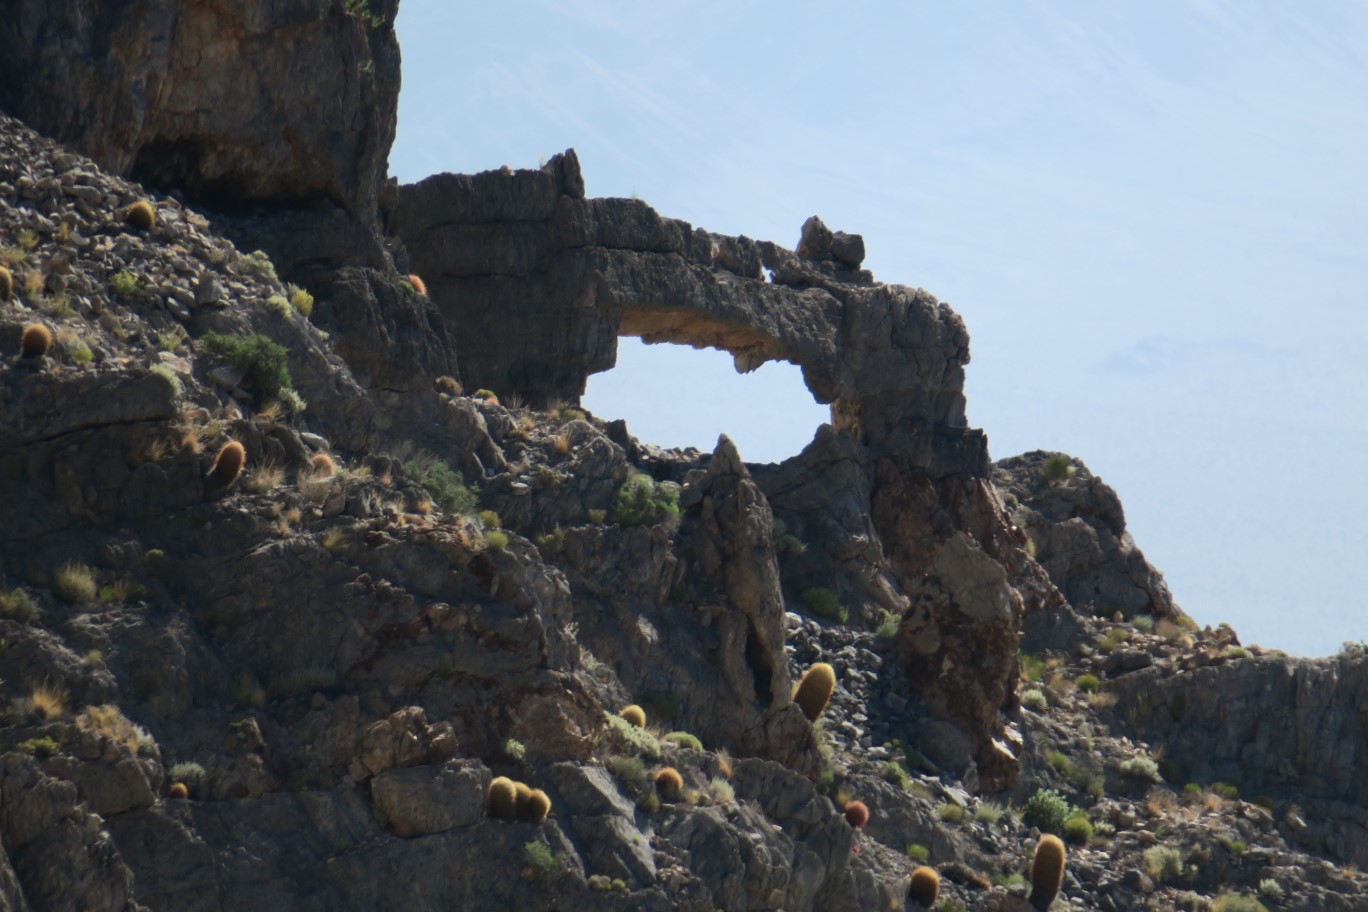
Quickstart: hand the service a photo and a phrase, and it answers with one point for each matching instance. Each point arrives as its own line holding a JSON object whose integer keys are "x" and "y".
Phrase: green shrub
{"x": 489, "y": 519}
{"x": 824, "y": 603}
{"x": 1226, "y": 791}
{"x": 630, "y": 770}
{"x": 496, "y": 539}
{"x": 1087, "y": 683}
{"x": 264, "y": 365}
{"x": 785, "y": 541}
{"x": 552, "y": 543}
{"x": 1032, "y": 667}
{"x": 1144, "y": 623}
{"x": 278, "y": 305}
{"x": 18, "y": 605}
{"x": 40, "y": 747}
{"x": 1237, "y": 652}
{"x": 446, "y": 488}
{"x": 641, "y": 501}
{"x": 1162, "y": 863}
{"x": 1235, "y": 902}
{"x": 1078, "y": 829}
{"x": 124, "y": 283}
{"x": 543, "y": 865}
{"x": 1056, "y": 468}
{"x": 514, "y": 750}
{"x": 1046, "y": 810}
{"x": 258, "y": 265}
{"x": 989, "y": 812}
{"x": 1231, "y": 844}
{"x": 888, "y": 627}
{"x": 720, "y": 790}
{"x": 1140, "y": 768}
{"x": 1271, "y": 890}
{"x": 1035, "y": 699}
{"x": 918, "y": 852}
{"x": 950, "y": 812}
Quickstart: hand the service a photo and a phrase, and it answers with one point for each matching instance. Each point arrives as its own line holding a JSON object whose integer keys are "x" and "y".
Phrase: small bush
{"x": 644, "y": 502}
{"x": 1046, "y": 810}
{"x": 1056, "y": 468}
{"x": 552, "y": 543}
{"x": 1087, "y": 683}
{"x": 258, "y": 265}
{"x": 124, "y": 283}
{"x": 950, "y": 812}
{"x": 192, "y": 774}
{"x": 300, "y": 300}
{"x": 514, "y": 750}
{"x": 543, "y": 865}
{"x": 1035, "y": 699}
{"x": 1237, "y": 652}
{"x": 824, "y": 603}
{"x": 172, "y": 378}
{"x": 1078, "y": 829}
{"x": 75, "y": 583}
{"x": 1162, "y": 863}
{"x": 888, "y": 626}
{"x": 1032, "y": 667}
{"x": 496, "y": 539}
{"x": 18, "y": 605}
{"x": 1226, "y": 791}
{"x": 989, "y": 812}
{"x": 628, "y": 769}
{"x": 278, "y": 305}
{"x": 721, "y": 790}
{"x": 264, "y": 365}
{"x": 444, "y": 486}
{"x": 918, "y": 852}
{"x": 1271, "y": 890}
{"x": 1140, "y": 768}
{"x": 40, "y": 747}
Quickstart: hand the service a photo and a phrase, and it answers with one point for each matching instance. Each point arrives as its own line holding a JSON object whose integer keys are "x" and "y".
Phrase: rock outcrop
{"x": 1077, "y": 529}
{"x": 288, "y": 108}
{"x": 523, "y": 257}
{"x": 290, "y": 689}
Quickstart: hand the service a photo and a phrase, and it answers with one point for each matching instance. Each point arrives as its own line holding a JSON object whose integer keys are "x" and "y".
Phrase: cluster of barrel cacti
{"x": 509, "y": 800}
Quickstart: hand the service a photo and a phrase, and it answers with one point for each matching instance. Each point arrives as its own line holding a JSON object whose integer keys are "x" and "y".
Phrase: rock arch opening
{"x": 673, "y": 395}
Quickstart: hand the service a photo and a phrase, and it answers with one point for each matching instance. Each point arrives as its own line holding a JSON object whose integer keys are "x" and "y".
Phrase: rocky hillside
{"x": 312, "y": 554}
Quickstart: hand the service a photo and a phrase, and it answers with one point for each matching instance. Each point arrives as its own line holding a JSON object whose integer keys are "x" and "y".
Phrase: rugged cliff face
{"x": 291, "y": 688}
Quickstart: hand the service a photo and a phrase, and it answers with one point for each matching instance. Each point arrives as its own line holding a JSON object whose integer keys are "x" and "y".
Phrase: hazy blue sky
{"x": 1153, "y": 218}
